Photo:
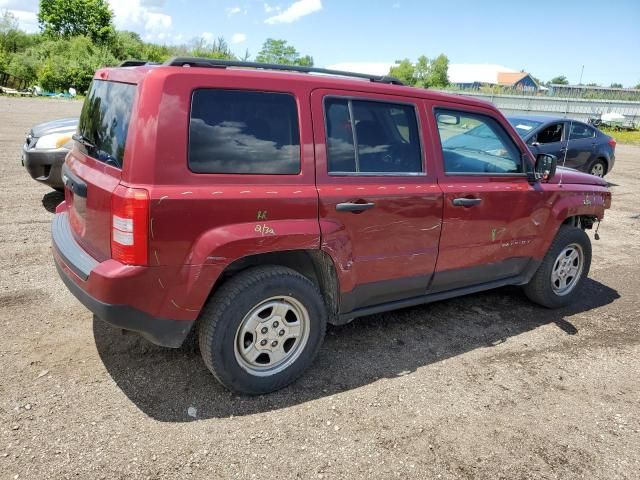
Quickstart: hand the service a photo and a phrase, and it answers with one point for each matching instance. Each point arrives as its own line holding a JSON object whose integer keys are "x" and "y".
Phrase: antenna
{"x": 566, "y": 148}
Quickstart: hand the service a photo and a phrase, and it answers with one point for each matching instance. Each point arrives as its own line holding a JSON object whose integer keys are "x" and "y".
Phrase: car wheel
{"x": 598, "y": 168}
{"x": 262, "y": 329}
{"x": 563, "y": 269}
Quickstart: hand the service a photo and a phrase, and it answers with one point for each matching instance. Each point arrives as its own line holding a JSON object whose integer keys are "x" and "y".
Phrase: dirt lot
{"x": 487, "y": 386}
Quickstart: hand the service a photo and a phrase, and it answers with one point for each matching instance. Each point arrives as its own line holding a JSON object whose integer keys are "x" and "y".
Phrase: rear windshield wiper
{"x": 80, "y": 139}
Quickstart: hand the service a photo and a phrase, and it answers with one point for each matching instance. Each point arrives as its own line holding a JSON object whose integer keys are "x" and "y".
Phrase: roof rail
{"x": 136, "y": 63}
{"x": 217, "y": 63}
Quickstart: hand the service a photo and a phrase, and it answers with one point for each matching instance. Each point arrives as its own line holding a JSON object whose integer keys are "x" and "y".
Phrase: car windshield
{"x": 522, "y": 126}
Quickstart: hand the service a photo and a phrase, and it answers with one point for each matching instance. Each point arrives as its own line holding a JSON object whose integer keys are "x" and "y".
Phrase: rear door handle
{"x": 466, "y": 202}
{"x": 354, "y": 207}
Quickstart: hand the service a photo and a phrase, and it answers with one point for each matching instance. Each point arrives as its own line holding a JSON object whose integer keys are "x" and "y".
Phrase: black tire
{"x": 539, "y": 289}
{"x": 225, "y": 311}
{"x": 598, "y": 163}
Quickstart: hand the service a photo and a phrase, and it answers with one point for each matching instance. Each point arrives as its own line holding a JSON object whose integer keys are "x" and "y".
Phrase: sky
{"x": 544, "y": 38}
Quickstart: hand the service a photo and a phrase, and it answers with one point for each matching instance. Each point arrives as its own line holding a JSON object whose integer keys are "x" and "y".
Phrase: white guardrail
{"x": 578, "y": 108}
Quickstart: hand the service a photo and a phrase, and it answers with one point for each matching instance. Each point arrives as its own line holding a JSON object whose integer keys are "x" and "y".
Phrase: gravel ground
{"x": 486, "y": 386}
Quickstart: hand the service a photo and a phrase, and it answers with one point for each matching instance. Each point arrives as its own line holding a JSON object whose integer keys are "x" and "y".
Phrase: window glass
{"x": 523, "y": 126}
{"x": 385, "y": 138}
{"x": 475, "y": 144}
{"x": 580, "y": 130}
{"x": 235, "y": 131}
{"x": 551, "y": 134}
{"x": 104, "y": 121}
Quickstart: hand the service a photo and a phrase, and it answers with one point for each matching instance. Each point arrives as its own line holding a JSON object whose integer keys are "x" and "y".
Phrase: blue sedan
{"x": 575, "y": 144}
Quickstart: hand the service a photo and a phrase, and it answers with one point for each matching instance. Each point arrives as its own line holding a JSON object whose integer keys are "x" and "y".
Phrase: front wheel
{"x": 563, "y": 269}
{"x": 262, "y": 329}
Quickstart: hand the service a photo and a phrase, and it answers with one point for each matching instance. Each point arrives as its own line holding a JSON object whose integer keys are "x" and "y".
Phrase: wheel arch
{"x": 315, "y": 265}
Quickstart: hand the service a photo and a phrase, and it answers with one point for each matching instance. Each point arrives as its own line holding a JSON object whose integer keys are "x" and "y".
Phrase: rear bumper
{"x": 75, "y": 268}
{"x": 45, "y": 166}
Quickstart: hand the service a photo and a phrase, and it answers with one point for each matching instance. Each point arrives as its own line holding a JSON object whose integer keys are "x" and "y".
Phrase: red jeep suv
{"x": 254, "y": 203}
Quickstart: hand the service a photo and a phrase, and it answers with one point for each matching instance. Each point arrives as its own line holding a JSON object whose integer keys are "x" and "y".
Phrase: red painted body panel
{"x": 201, "y": 223}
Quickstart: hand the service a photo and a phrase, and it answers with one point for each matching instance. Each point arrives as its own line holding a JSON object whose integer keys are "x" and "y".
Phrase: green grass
{"x": 622, "y": 136}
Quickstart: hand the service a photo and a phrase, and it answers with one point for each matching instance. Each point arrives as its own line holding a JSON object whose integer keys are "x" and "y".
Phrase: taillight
{"x": 612, "y": 143}
{"x": 130, "y": 225}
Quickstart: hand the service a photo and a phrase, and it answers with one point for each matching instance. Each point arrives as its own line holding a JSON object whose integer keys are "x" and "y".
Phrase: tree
{"x": 404, "y": 71}
{"x": 615, "y": 85}
{"x": 127, "y": 45}
{"x": 280, "y": 52}
{"x": 425, "y": 73}
{"x": 219, "y": 48}
{"x": 69, "y": 18}
{"x": 439, "y": 71}
{"x": 637, "y": 87}
{"x": 559, "y": 80}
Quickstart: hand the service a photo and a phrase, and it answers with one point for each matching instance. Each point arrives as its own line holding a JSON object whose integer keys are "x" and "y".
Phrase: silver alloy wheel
{"x": 567, "y": 269}
{"x": 598, "y": 169}
{"x": 272, "y": 336}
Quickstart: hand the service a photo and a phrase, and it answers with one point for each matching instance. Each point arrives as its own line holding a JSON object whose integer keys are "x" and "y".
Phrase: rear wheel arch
{"x": 315, "y": 265}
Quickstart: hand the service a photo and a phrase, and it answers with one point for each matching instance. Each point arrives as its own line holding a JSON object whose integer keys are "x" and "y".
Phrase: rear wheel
{"x": 563, "y": 269}
{"x": 598, "y": 168}
{"x": 262, "y": 329}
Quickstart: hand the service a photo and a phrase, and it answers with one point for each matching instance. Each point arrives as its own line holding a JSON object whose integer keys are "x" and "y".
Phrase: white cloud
{"x": 271, "y": 8}
{"x": 238, "y": 38}
{"x": 20, "y": 5}
{"x": 25, "y": 11}
{"x": 27, "y": 21}
{"x": 296, "y": 11}
{"x": 232, "y": 11}
{"x": 208, "y": 36}
{"x": 157, "y": 22}
{"x": 144, "y": 17}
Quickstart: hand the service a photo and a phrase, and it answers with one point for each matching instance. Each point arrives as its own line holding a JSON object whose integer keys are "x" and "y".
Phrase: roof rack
{"x": 217, "y": 63}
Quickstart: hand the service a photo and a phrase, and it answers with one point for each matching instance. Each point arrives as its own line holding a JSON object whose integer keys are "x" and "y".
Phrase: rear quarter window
{"x": 104, "y": 121}
{"x": 245, "y": 132}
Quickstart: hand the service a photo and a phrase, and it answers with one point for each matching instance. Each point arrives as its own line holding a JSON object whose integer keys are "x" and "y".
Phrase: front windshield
{"x": 522, "y": 126}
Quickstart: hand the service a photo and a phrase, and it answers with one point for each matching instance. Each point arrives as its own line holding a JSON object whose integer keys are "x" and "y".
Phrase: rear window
{"x": 104, "y": 121}
{"x": 236, "y": 131}
{"x": 371, "y": 137}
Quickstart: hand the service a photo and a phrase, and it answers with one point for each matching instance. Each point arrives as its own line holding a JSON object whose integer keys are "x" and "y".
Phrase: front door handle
{"x": 466, "y": 202}
{"x": 354, "y": 207}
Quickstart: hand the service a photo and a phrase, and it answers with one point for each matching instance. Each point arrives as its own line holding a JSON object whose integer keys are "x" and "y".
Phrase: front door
{"x": 380, "y": 206}
{"x": 552, "y": 140}
{"x": 493, "y": 217}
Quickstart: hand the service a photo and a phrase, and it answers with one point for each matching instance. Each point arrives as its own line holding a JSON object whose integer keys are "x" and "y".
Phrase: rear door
{"x": 493, "y": 217}
{"x": 581, "y": 145}
{"x": 380, "y": 206}
{"x": 93, "y": 168}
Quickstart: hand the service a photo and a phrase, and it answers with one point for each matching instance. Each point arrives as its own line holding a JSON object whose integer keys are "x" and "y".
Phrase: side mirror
{"x": 545, "y": 166}
{"x": 447, "y": 119}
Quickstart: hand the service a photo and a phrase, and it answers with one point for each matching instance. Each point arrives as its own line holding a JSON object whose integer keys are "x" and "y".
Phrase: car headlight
{"x": 54, "y": 140}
